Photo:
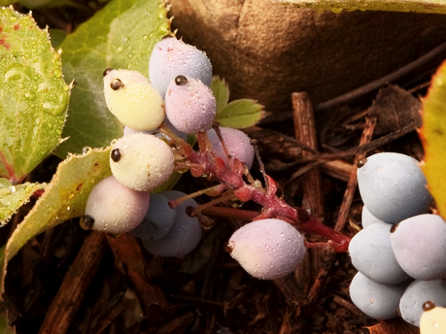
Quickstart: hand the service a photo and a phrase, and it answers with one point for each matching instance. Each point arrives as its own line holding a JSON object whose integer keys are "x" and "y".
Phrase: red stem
{"x": 231, "y": 175}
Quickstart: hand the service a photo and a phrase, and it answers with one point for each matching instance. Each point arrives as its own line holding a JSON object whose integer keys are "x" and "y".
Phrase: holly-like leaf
{"x": 64, "y": 198}
{"x": 221, "y": 92}
{"x": 433, "y": 135}
{"x": 121, "y": 35}
{"x": 12, "y": 197}
{"x": 33, "y": 95}
{"x": 240, "y": 114}
{"x": 418, "y": 6}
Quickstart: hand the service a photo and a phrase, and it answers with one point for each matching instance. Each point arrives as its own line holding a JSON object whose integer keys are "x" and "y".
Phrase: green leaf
{"x": 33, "y": 95}
{"x": 240, "y": 114}
{"x": 64, "y": 197}
{"x": 12, "y": 197}
{"x": 7, "y": 2}
{"x": 433, "y": 135}
{"x": 121, "y": 35}
{"x": 221, "y": 92}
{"x": 418, "y": 6}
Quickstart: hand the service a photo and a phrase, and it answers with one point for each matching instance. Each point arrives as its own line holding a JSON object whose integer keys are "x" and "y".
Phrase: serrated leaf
{"x": 64, "y": 197}
{"x": 418, "y": 6}
{"x": 12, "y": 197}
{"x": 240, "y": 114}
{"x": 433, "y": 135}
{"x": 221, "y": 92}
{"x": 121, "y": 35}
{"x": 33, "y": 95}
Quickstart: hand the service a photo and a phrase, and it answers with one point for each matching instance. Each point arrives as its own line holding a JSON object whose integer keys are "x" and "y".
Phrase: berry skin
{"x": 378, "y": 301}
{"x": 419, "y": 245}
{"x": 158, "y": 220}
{"x": 416, "y": 294}
{"x": 191, "y": 106}
{"x": 145, "y": 161}
{"x": 171, "y": 57}
{"x": 267, "y": 248}
{"x": 367, "y": 218}
{"x": 183, "y": 237}
{"x": 393, "y": 187}
{"x": 433, "y": 321}
{"x": 237, "y": 143}
{"x": 372, "y": 255}
{"x": 130, "y": 97}
{"x": 116, "y": 208}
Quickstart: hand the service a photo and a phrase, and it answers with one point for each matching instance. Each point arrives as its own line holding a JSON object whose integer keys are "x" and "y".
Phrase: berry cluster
{"x": 399, "y": 252}
{"x": 158, "y": 115}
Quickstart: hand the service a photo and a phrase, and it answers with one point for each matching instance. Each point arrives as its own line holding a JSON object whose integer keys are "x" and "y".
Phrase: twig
{"x": 338, "y": 169}
{"x": 305, "y": 132}
{"x": 64, "y": 306}
{"x": 352, "y": 182}
{"x": 128, "y": 254}
{"x": 371, "y": 86}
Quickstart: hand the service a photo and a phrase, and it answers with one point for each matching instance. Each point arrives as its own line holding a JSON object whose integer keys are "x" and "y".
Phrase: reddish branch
{"x": 9, "y": 169}
{"x": 204, "y": 163}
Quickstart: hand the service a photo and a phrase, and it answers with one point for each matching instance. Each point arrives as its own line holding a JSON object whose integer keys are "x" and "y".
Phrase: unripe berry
{"x": 190, "y": 105}
{"x": 130, "y": 97}
{"x": 267, "y": 248}
{"x": 115, "y": 208}
{"x": 237, "y": 143}
{"x": 141, "y": 161}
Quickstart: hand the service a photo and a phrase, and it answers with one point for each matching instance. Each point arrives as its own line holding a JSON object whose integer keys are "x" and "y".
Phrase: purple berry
{"x": 116, "y": 208}
{"x": 419, "y": 245}
{"x": 237, "y": 143}
{"x": 378, "y": 301}
{"x": 416, "y": 294}
{"x": 393, "y": 187}
{"x": 267, "y": 248}
{"x": 171, "y": 57}
{"x": 183, "y": 237}
{"x": 190, "y": 105}
{"x": 158, "y": 220}
{"x": 367, "y": 218}
{"x": 372, "y": 255}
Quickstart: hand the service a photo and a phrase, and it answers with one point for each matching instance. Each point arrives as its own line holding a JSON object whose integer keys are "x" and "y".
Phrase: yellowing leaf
{"x": 64, "y": 198}
{"x": 33, "y": 95}
{"x": 12, "y": 197}
{"x": 433, "y": 135}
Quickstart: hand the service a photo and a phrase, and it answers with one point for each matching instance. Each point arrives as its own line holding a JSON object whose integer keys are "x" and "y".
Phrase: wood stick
{"x": 337, "y": 169}
{"x": 344, "y": 210}
{"x": 68, "y": 299}
{"x": 305, "y": 132}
